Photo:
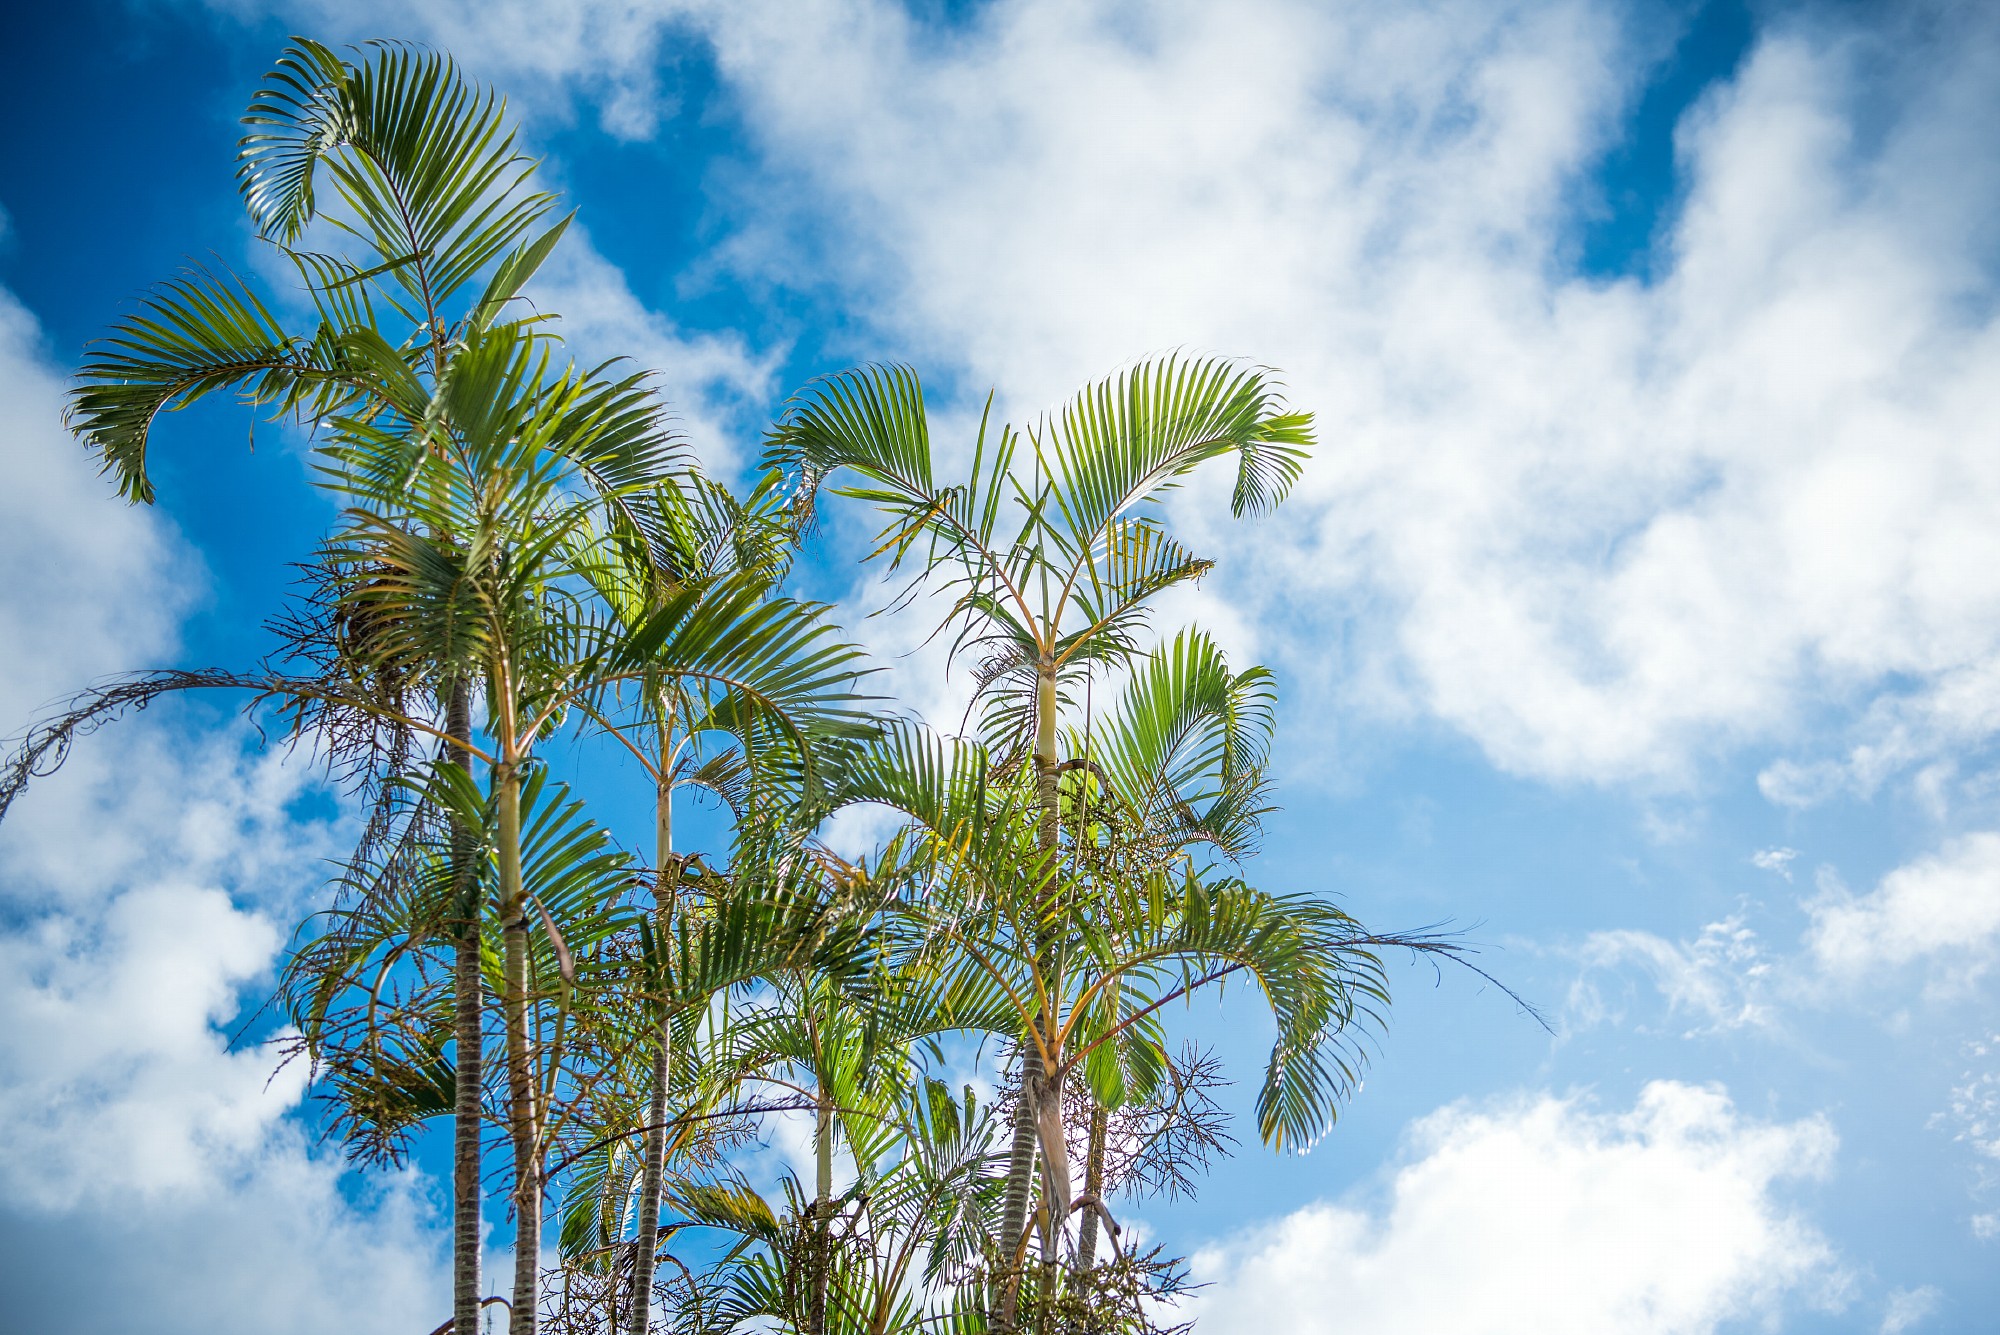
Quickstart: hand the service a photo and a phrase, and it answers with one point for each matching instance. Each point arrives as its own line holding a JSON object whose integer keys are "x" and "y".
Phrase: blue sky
{"x": 1640, "y": 614}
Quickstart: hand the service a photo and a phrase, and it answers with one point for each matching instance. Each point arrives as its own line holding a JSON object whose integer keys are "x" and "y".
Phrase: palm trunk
{"x": 822, "y": 1212}
{"x": 522, "y": 1319}
{"x": 645, "y": 1251}
{"x": 1093, "y": 1188}
{"x": 469, "y": 1011}
{"x": 1047, "y": 1285}
{"x": 1020, "y": 1184}
{"x": 1021, "y": 1154}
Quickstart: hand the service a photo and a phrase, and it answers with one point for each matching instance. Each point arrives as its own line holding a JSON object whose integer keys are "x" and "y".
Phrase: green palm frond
{"x": 1319, "y": 971}
{"x": 193, "y": 336}
{"x": 596, "y": 1204}
{"x": 420, "y": 155}
{"x": 1126, "y": 438}
{"x": 1184, "y": 750}
{"x": 730, "y": 637}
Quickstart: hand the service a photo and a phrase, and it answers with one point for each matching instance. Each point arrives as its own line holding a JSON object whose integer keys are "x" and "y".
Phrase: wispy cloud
{"x": 1932, "y": 924}
{"x": 1718, "y": 981}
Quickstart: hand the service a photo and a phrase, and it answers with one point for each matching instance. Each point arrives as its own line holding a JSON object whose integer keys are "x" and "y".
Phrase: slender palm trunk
{"x": 822, "y": 1251}
{"x": 1093, "y": 1187}
{"x": 520, "y": 1057}
{"x": 1046, "y": 1286}
{"x": 469, "y": 1011}
{"x": 645, "y": 1252}
{"x": 1021, "y": 1154}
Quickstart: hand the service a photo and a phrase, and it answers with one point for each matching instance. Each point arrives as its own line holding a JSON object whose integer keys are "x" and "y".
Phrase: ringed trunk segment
{"x": 522, "y": 1318}
{"x": 469, "y": 1040}
{"x": 645, "y": 1257}
{"x": 645, "y": 1252}
{"x": 1093, "y": 1187}
{"x": 822, "y": 1213}
{"x": 1020, "y": 1185}
{"x": 1030, "y": 1121}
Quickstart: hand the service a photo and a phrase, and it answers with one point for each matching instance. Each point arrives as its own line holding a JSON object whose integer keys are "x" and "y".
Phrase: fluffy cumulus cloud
{"x": 604, "y": 52}
{"x": 1605, "y": 526}
{"x": 142, "y": 890}
{"x": 61, "y": 551}
{"x": 1599, "y": 525}
{"x": 114, "y": 1068}
{"x": 1946, "y": 906}
{"x": 1550, "y": 1216}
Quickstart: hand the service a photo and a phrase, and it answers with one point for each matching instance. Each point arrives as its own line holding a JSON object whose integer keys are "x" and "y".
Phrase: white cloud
{"x": 1604, "y": 528}
{"x": 64, "y": 541}
{"x": 1549, "y": 1216}
{"x": 1777, "y": 860}
{"x": 1941, "y": 909}
{"x": 1721, "y": 979}
{"x": 712, "y": 382}
{"x": 1909, "y": 1308}
{"x": 280, "y": 1246}
{"x": 1974, "y": 1109}
{"x": 143, "y": 889}
{"x": 1945, "y": 906}
{"x": 115, "y": 1070}
{"x": 606, "y": 52}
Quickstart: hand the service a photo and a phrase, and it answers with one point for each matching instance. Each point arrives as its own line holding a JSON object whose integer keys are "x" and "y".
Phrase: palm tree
{"x": 511, "y": 595}
{"x": 886, "y": 1257}
{"x": 473, "y": 550}
{"x": 1156, "y": 806}
{"x": 1056, "y": 582}
{"x": 432, "y": 194}
{"x": 777, "y": 912}
{"x": 849, "y": 1048}
{"x": 698, "y": 536}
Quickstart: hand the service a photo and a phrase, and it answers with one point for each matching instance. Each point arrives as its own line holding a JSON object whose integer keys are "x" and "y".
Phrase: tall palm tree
{"x": 431, "y": 194}
{"x": 777, "y": 912}
{"x": 698, "y": 536}
{"x": 1050, "y": 557}
{"x": 511, "y": 594}
{"x": 471, "y": 550}
{"x": 885, "y": 1260}
{"x": 1157, "y": 802}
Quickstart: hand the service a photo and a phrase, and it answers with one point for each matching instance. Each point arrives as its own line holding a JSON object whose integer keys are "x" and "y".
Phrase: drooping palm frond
{"x": 1183, "y": 750}
{"x": 1123, "y": 439}
{"x": 1319, "y": 971}
{"x": 193, "y": 336}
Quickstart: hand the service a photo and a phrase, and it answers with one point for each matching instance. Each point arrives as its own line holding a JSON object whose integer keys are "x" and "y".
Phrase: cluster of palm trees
{"x": 525, "y": 556}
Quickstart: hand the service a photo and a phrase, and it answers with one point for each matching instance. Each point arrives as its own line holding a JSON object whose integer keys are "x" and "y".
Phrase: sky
{"x": 1638, "y": 615}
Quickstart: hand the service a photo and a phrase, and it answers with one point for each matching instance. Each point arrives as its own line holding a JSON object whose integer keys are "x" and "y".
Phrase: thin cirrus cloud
{"x": 1938, "y": 913}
